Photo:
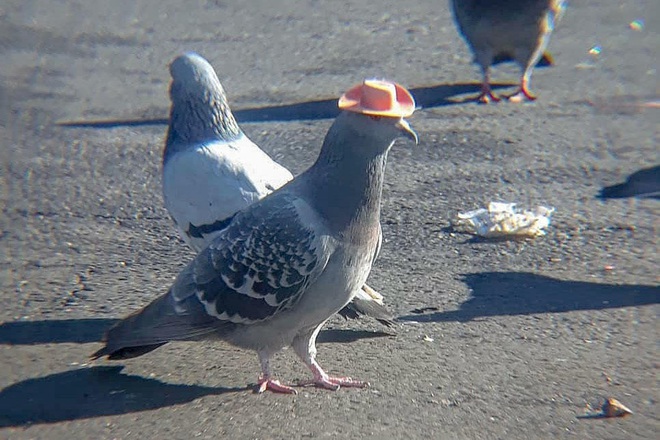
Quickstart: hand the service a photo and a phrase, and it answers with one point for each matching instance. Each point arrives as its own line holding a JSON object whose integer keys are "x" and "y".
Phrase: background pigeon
{"x": 211, "y": 169}
{"x": 502, "y": 30}
{"x": 285, "y": 264}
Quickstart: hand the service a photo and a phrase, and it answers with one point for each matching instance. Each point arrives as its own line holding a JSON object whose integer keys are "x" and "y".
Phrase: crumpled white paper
{"x": 504, "y": 219}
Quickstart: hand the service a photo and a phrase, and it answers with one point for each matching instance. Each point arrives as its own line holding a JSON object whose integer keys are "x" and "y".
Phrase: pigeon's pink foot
{"x": 523, "y": 94}
{"x": 334, "y": 383}
{"x": 322, "y": 380}
{"x": 487, "y": 96}
{"x": 274, "y": 386}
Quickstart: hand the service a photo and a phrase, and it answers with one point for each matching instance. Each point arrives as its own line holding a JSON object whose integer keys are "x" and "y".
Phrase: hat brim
{"x": 404, "y": 106}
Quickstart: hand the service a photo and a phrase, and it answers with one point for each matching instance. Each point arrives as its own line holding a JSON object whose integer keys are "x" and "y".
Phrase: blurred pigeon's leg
{"x": 266, "y": 382}
{"x": 305, "y": 347}
{"x": 528, "y": 58}
{"x": 487, "y": 94}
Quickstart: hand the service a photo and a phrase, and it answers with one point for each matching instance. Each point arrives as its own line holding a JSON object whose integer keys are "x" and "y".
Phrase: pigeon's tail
{"x": 153, "y": 326}
{"x": 368, "y": 302}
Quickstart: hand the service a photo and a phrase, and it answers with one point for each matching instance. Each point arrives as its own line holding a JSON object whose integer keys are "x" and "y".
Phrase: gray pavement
{"x": 518, "y": 339}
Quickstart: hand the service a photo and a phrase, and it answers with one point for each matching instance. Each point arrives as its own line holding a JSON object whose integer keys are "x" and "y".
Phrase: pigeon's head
{"x": 376, "y": 109}
{"x": 200, "y": 111}
{"x": 193, "y": 77}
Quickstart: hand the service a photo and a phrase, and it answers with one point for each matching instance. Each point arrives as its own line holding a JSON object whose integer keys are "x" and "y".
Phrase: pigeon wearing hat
{"x": 285, "y": 264}
{"x": 503, "y": 30}
{"x": 212, "y": 170}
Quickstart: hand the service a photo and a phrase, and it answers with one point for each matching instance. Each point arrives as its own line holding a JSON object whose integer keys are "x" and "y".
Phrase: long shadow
{"x": 644, "y": 183}
{"x": 56, "y": 331}
{"x": 83, "y": 331}
{"x": 522, "y": 293}
{"x": 425, "y": 97}
{"x": 92, "y": 392}
{"x": 343, "y": 336}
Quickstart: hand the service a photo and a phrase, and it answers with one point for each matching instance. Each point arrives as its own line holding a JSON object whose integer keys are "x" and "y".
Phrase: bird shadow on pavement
{"x": 425, "y": 97}
{"x": 88, "y": 330}
{"x": 330, "y": 336}
{"x": 524, "y": 293}
{"x": 54, "y": 331}
{"x": 92, "y": 392}
{"x": 644, "y": 183}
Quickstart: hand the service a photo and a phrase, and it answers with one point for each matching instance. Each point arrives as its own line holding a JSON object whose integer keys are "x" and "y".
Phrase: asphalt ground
{"x": 504, "y": 339}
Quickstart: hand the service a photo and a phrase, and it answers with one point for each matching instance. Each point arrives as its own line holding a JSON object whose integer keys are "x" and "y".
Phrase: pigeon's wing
{"x": 260, "y": 265}
{"x": 204, "y": 186}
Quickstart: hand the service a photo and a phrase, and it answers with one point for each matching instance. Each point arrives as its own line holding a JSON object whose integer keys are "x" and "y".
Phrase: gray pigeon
{"x": 212, "y": 170}
{"x": 288, "y": 262}
{"x": 502, "y": 30}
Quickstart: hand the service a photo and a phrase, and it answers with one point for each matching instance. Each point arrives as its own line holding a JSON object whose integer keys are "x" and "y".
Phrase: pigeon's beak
{"x": 407, "y": 130}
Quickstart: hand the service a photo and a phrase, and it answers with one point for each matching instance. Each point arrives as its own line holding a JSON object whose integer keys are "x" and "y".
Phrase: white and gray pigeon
{"x": 288, "y": 262}
{"x": 507, "y": 30}
{"x": 212, "y": 170}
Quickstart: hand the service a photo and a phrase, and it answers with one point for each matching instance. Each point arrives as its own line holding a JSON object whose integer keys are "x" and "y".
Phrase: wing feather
{"x": 260, "y": 265}
{"x": 206, "y": 185}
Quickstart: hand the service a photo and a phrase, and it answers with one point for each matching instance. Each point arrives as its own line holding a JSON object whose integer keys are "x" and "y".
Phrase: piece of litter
{"x": 503, "y": 219}
{"x": 614, "y": 408}
{"x": 427, "y": 338}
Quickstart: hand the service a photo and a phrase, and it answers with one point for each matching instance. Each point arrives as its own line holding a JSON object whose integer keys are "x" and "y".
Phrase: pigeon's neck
{"x": 347, "y": 187}
{"x": 202, "y": 118}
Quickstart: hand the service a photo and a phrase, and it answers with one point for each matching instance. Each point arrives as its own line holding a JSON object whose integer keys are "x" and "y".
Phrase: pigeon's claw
{"x": 487, "y": 96}
{"x": 266, "y": 383}
{"x": 522, "y": 94}
{"x": 322, "y": 380}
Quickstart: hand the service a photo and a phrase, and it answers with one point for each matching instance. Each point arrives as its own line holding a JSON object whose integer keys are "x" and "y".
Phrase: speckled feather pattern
{"x": 258, "y": 266}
